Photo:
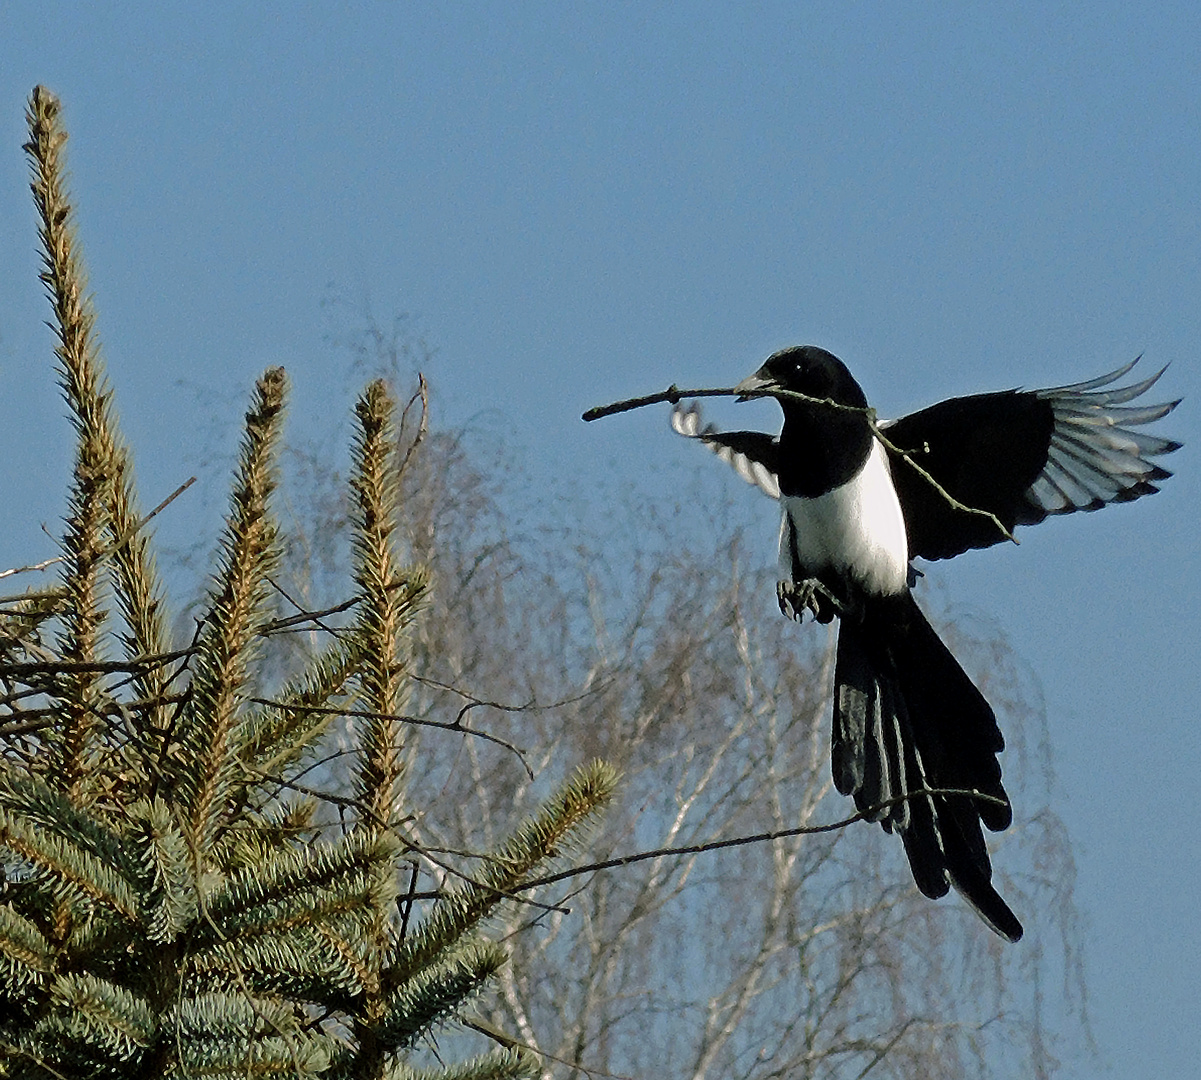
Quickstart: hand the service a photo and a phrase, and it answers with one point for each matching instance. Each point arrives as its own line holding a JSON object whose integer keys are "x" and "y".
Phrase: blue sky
{"x": 576, "y": 203}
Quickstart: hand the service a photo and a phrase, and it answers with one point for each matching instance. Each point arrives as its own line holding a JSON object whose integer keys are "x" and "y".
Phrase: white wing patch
{"x": 686, "y": 420}
{"x": 1096, "y": 456}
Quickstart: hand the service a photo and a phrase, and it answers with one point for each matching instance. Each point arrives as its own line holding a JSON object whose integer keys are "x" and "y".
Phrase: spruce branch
{"x": 543, "y": 837}
{"x": 510, "y": 1063}
{"x": 140, "y": 597}
{"x": 435, "y": 992}
{"x": 382, "y": 614}
{"x": 103, "y": 518}
{"x": 101, "y": 1014}
{"x": 384, "y": 609}
{"x": 168, "y": 896}
{"x": 26, "y": 956}
{"x": 296, "y": 885}
{"x": 172, "y": 910}
{"x": 76, "y": 856}
{"x": 82, "y": 380}
{"x": 225, "y": 651}
{"x": 224, "y": 1033}
{"x": 284, "y": 728}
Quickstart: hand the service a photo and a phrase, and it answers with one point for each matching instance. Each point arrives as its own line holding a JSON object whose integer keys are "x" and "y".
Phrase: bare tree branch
{"x": 759, "y": 838}
{"x": 673, "y": 395}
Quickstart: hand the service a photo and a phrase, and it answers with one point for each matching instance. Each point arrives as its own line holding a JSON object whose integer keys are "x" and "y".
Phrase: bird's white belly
{"x": 856, "y": 530}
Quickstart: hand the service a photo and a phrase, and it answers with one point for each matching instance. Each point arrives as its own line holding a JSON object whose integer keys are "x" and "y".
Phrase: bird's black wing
{"x": 1023, "y": 455}
{"x": 754, "y": 455}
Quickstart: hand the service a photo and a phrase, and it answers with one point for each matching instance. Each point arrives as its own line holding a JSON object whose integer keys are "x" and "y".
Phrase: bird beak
{"x": 756, "y": 385}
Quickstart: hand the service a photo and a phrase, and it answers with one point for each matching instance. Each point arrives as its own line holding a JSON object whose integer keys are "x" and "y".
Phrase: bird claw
{"x": 797, "y": 597}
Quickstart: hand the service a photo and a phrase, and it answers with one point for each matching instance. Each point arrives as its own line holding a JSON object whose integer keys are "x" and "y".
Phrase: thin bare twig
{"x": 37, "y": 719}
{"x": 759, "y": 838}
{"x": 423, "y": 396}
{"x": 530, "y": 706}
{"x": 510, "y": 1043}
{"x": 406, "y": 908}
{"x": 151, "y": 516}
{"x": 34, "y": 566}
{"x": 115, "y": 547}
{"x": 673, "y": 395}
{"x": 302, "y": 614}
{"x": 96, "y": 667}
{"x": 417, "y": 721}
{"x": 275, "y": 625}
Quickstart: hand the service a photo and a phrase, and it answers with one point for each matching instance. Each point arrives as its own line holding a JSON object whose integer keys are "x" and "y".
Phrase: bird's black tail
{"x": 907, "y": 718}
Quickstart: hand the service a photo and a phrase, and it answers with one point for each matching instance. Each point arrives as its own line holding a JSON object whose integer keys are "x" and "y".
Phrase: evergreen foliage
{"x": 170, "y": 905}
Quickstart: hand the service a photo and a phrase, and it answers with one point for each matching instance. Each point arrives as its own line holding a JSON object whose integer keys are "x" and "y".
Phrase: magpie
{"x": 859, "y": 501}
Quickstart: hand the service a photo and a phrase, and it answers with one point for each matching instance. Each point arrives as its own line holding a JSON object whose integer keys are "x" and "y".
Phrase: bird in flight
{"x": 859, "y": 501}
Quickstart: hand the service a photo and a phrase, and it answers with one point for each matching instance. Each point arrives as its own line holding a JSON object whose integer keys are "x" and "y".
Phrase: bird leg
{"x": 795, "y": 597}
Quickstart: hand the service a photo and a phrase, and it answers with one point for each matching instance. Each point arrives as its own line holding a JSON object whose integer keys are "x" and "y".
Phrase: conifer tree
{"x": 171, "y": 902}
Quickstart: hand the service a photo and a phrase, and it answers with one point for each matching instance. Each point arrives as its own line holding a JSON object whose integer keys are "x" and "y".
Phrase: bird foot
{"x": 797, "y": 597}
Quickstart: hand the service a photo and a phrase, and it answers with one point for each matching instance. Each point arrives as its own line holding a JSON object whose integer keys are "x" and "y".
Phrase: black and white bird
{"x": 858, "y": 508}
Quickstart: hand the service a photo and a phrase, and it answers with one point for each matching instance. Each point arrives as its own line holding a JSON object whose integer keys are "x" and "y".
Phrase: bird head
{"x": 804, "y": 369}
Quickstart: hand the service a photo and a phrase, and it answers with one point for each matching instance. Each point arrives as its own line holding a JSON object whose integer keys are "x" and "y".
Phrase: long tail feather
{"x": 907, "y": 719}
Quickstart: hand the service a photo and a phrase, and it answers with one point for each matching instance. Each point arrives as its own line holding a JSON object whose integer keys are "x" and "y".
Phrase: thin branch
{"x": 406, "y": 908}
{"x": 673, "y": 395}
{"x": 883, "y": 1051}
{"x": 28, "y": 569}
{"x": 421, "y": 395}
{"x": 303, "y": 614}
{"x": 97, "y": 667}
{"x": 955, "y": 504}
{"x": 309, "y": 616}
{"x": 510, "y": 1043}
{"x": 530, "y": 706}
{"x": 759, "y": 838}
{"x": 143, "y": 522}
{"x": 46, "y": 563}
{"x": 36, "y": 719}
{"x": 417, "y": 721}
{"x": 313, "y": 616}
{"x": 25, "y": 727}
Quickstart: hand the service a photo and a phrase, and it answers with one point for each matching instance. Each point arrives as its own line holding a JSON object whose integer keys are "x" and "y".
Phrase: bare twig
{"x": 417, "y": 721}
{"x": 303, "y": 615}
{"x": 530, "y": 706}
{"x": 276, "y": 625}
{"x": 509, "y": 1043}
{"x": 91, "y": 667}
{"x": 151, "y": 516}
{"x": 406, "y": 908}
{"x": 759, "y": 838}
{"x": 27, "y": 569}
{"x": 37, "y": 719}
{"x": 673, "y": 395}
{"x": 45, "y": 564}
{"x": 421, "y": 395}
